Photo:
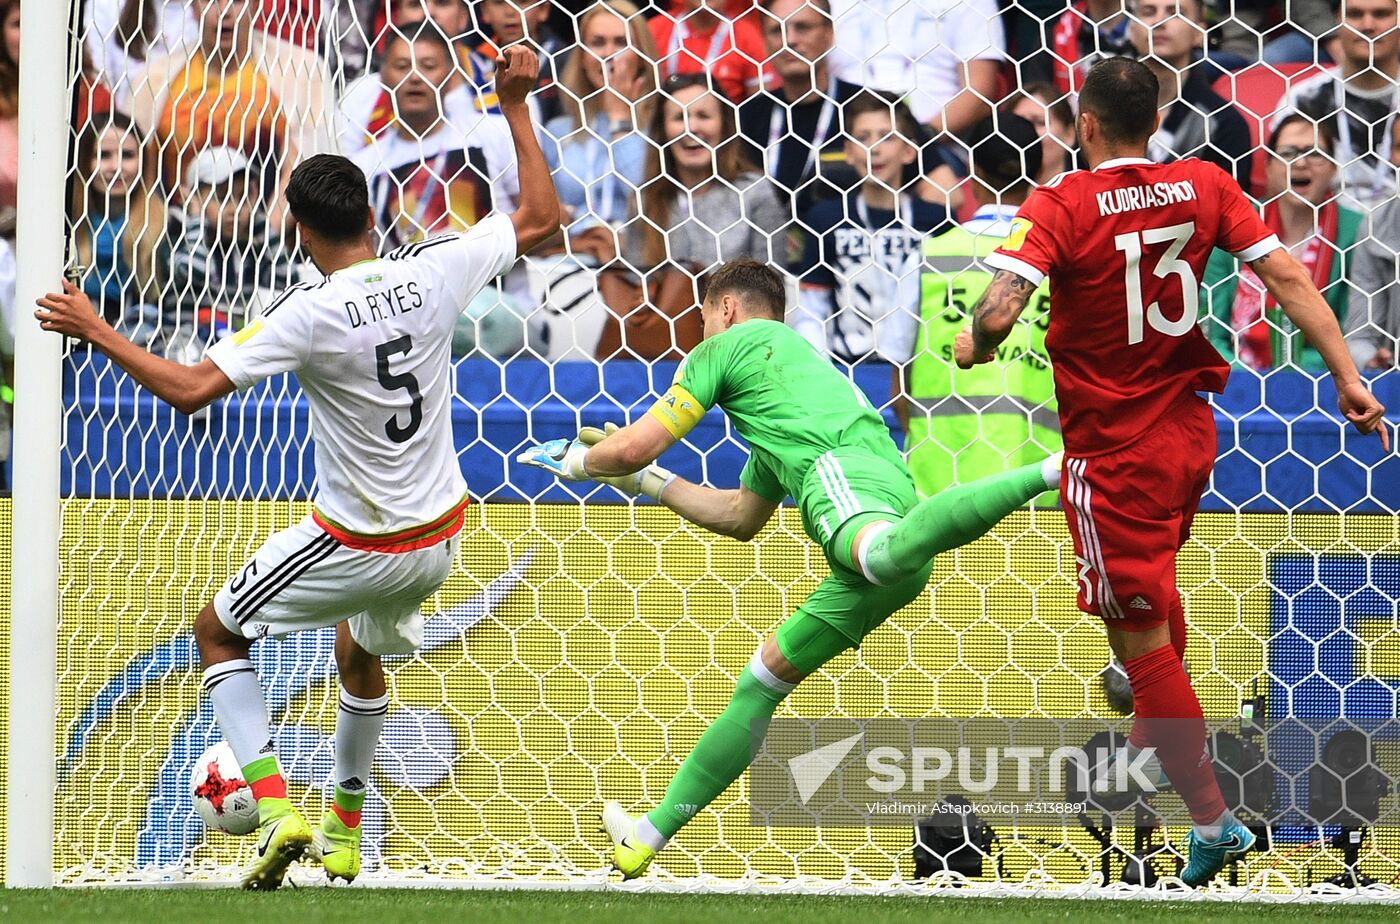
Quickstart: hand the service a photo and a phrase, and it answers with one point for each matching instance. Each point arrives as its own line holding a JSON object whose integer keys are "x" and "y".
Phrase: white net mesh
{"x": 577, "y": 652}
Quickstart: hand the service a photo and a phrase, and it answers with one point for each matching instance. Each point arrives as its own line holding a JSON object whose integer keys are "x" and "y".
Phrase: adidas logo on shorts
{"x": 1138, "y": 603}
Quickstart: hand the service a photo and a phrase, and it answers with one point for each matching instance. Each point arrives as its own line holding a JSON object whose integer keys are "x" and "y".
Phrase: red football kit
{"x": 1124, "y": 247}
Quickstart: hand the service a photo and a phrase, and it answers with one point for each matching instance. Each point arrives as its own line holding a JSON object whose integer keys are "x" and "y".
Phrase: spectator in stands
{"x": 700, "y": 207}
{"x": 122, "y": 35}
{"x": 943, "y": 59}
{"x": 431, "y": 170}
{"x": 858, "y": 247}
{"x": 9, "y": 275}
{"x": 454, "y": 17}
{"x": 227, "y": 262}
{"x": 1298, "y": 31}
{"x": 790, "y": 130}
{"x": 9, "y": 115}
{"x": 429, "y": 173}
{"x": 1357, "y": 102}
{"x": 597, "y": 155}
{"x": 239, "y": 88}
{"x": 1301, "y": 207}
{"x": 1373, "y": 318}
{"x": 120, "y": 236}
{"x": 793, "y": 130}
{"x": 352, "y": 30}
{"x": 1196, "y": 121}
{"x": 367, "y": 105}
{"x": 511, "y": 21}
{"x": 1049, "y": 112}
{"x": 1086, "y": 32}
{"x": 698, "y": 37}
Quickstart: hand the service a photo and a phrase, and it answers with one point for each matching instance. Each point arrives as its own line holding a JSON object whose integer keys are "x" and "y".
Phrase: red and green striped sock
{"x": 264, "y": 778}
{"x": 347, "y": 806}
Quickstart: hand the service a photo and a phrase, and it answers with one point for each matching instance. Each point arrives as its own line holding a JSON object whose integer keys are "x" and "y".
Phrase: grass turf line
{"x": 408, "y": 906}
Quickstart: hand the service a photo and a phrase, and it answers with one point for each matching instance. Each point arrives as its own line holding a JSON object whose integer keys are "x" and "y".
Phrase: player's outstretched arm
{"x": 186, "y": 388}
{"x": 538, "y": 216}
{"x": 629, "y": 449}
{"x": 993, "y": 319}
{"x": 1292, "y": 286}
{"x": 623, "y": 457}
{"x": 738, "y": 513}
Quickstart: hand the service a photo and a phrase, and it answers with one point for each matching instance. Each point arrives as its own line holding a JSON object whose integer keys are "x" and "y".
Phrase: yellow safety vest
{"x": 965, "y": 424}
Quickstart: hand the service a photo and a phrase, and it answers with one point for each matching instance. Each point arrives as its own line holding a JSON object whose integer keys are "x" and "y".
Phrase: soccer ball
{"x": 221, "y": 796}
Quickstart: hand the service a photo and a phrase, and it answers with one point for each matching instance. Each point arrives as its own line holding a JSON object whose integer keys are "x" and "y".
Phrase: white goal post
{"x": 41, "y": 230}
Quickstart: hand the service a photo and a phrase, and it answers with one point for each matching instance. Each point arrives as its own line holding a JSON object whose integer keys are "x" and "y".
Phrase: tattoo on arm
{"x": 998, "y": 309}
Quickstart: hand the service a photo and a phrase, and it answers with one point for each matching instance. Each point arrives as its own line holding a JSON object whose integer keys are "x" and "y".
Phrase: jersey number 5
{"x": 392, "y": 381}
{"x": 1131, "y": 245}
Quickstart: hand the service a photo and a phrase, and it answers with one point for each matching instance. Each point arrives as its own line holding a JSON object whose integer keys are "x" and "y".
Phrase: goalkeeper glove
{"x": 561, "y": 458}
{"x": 650, "y": 481}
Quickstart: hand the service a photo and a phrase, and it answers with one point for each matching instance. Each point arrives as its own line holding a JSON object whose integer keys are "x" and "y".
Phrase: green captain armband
{"x": 678, "y": 411}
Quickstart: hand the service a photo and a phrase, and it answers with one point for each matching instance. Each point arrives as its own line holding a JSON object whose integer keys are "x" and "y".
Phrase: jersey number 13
{"x": 1131, "y": 246}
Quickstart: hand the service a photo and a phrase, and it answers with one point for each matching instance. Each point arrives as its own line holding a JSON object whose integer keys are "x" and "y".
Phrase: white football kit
{"x": 371, "y": 346}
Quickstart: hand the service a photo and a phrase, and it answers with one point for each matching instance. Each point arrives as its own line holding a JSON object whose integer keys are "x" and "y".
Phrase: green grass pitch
{"x": 407, "y": 906}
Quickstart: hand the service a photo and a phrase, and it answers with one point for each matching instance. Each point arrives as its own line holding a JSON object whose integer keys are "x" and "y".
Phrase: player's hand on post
{"x": 1361, "y": 408}
{"x": 69, "y": 312}
{"x": 963, "y": 352}
{"x": 561, "y": 458}
{"x": 516, "y": 74}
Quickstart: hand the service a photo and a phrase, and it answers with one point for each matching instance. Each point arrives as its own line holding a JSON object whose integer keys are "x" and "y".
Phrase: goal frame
{"x": 40, "y": 234}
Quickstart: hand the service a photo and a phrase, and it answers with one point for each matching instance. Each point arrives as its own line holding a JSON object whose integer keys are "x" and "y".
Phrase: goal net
{"x": 583, "y": 643}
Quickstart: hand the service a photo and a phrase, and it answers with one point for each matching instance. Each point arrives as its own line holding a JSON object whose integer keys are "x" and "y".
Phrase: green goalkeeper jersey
{"x": 813, "y": 435}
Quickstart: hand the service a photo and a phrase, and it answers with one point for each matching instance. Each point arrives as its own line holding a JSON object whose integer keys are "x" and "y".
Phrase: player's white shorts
{"x": 304, "y": 578}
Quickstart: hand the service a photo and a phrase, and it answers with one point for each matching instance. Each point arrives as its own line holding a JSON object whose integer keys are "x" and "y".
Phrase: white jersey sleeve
{"x": 470, "y": 259}
{"x": 279, "y": 340}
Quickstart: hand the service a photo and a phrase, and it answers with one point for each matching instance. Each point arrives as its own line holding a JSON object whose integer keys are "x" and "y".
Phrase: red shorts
{"x": 1130, "y": 512}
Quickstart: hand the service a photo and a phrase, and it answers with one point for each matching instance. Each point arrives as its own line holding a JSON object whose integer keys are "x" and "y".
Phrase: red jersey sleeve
{"x": 1242, "y": 232}
{"x": 1035, "y": 245}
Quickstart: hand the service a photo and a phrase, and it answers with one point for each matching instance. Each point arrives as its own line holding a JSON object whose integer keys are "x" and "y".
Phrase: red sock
{"x": 1168, "y": 717}
{"x": 348, "y": 818}
{"x": 1176, "y": 623}
{"x": 269, "y": 787}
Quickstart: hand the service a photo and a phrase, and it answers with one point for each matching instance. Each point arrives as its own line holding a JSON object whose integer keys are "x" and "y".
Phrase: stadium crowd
{"x": 852, "y": 142}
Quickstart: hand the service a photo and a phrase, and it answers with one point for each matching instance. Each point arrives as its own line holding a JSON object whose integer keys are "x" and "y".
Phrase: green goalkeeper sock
{"x": 949, "y": 519}
{"x": 722, "y": 753}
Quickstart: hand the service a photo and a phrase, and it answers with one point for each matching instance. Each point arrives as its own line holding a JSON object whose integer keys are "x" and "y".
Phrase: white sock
{"x": 646, "y": 833}
{"x": 1212, "y": 831}
{"x": 1050, "y": 470}
{"x": 240, "y": 709}
{"x": 358, "y": 724}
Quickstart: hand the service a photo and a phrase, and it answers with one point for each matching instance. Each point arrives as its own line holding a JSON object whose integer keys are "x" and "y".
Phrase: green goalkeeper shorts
{"x": 845, "y": 486}
{"x": 846, "y": 483}
{"x": 840, "y": 613}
